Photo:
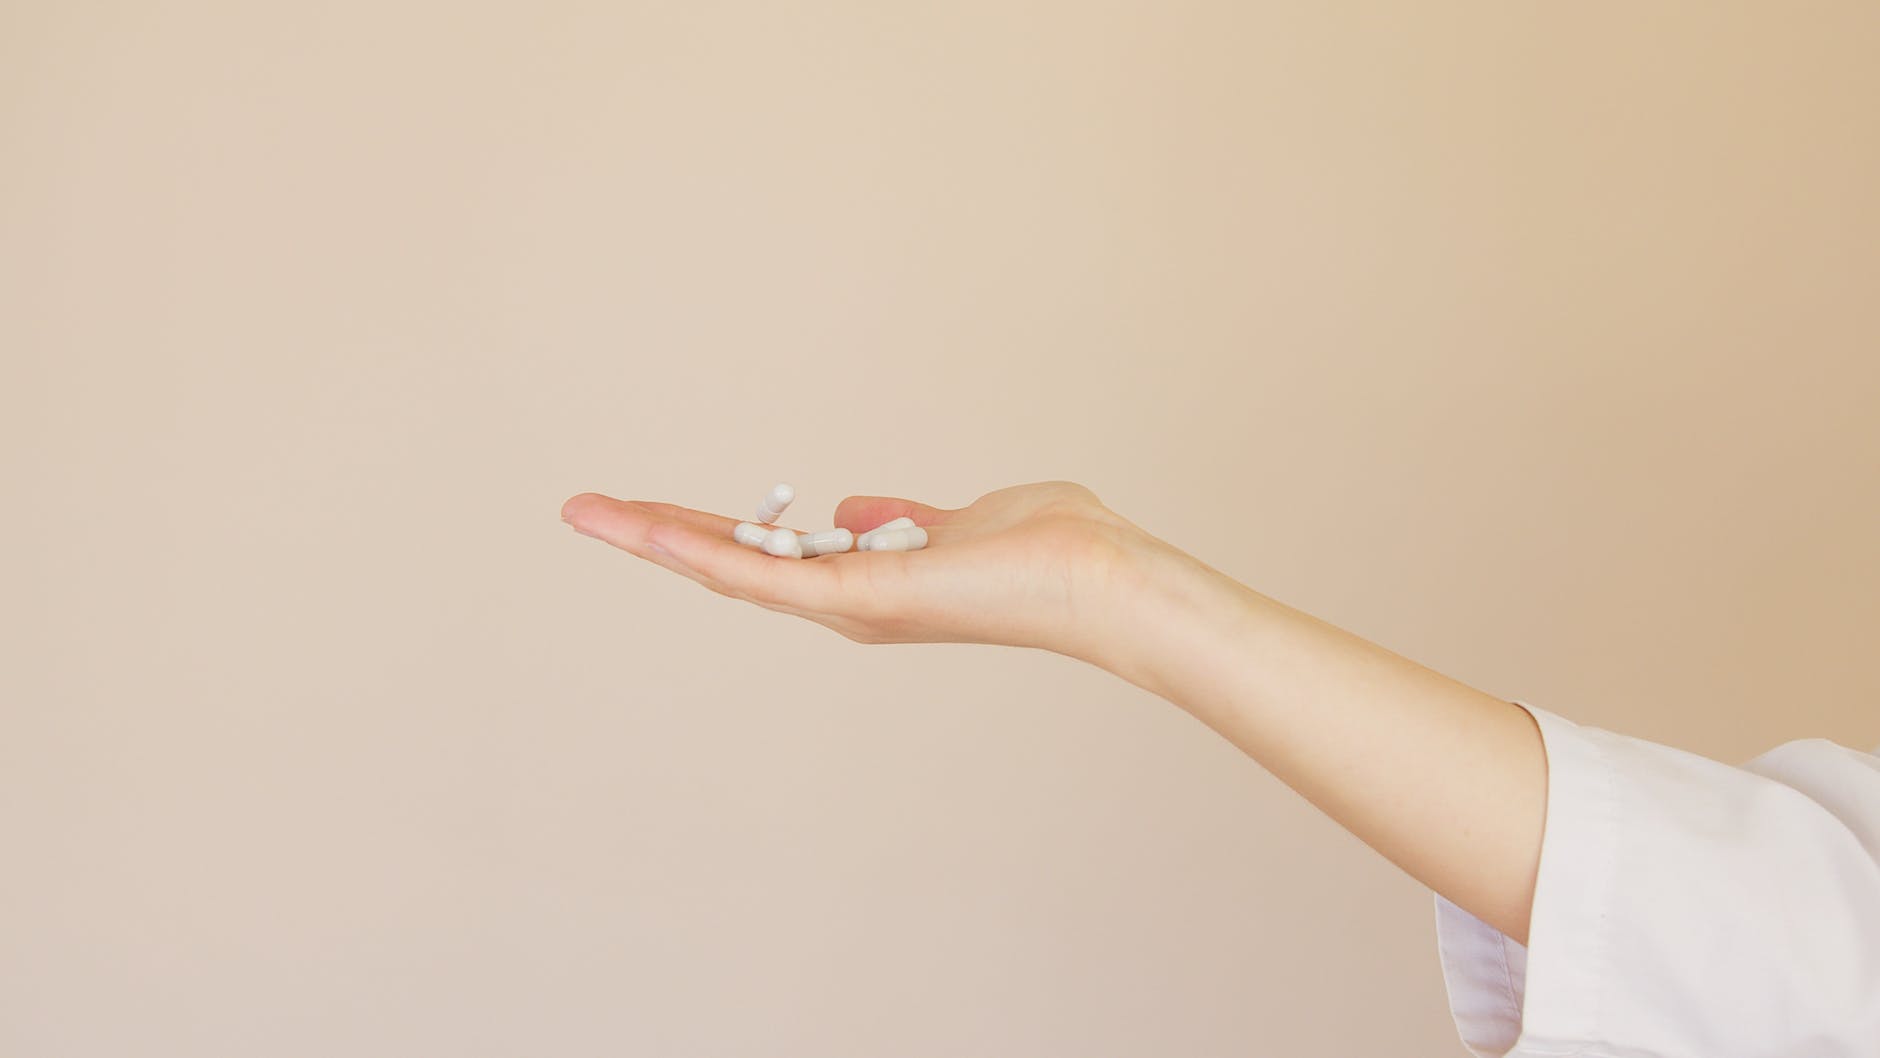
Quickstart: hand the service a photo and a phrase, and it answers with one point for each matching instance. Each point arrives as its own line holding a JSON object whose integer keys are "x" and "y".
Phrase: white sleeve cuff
{"x": 1684, "y": 907}
{"x": 1487, "y": 973}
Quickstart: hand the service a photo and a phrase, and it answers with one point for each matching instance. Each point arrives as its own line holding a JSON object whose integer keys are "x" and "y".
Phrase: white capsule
{"x": 782, "y": 543}
{"x": 750, "y": 534}
{"x": 829, "y": 542}
{"x": 898, "y": 539}
{"x": 866, "y": 541}
{"x": 775, "y": 503}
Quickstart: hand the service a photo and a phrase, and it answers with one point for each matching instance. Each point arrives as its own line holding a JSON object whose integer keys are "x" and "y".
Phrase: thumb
{"x": 858, "y": 514}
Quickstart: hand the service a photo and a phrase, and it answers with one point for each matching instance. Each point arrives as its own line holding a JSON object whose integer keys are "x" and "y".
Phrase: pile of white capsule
{"x": 900, "y": 534}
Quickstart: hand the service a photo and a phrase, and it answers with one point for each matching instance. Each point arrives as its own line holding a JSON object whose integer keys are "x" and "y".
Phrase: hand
{"x": 1044, "y": 565}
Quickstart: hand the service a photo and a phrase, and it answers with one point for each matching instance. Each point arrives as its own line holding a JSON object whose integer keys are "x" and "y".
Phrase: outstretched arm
{"x": 1447, "y": 782}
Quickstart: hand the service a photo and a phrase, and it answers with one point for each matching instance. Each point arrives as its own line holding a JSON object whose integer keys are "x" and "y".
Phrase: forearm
{"x": 1447, "y": 782}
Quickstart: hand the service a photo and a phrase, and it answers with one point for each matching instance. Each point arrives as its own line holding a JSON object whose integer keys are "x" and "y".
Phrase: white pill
{"x": 828, "y": 542}
{"x": 782, "y": 543}
{"x": 775, "y": 503}
{"x": 750, "y": 534}
{"x": 898, "y": 539}
{"x": 866, "y": 541}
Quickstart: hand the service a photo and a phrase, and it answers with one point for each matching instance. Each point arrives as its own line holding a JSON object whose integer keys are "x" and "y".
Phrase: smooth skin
{"x": 1447, "y": 782}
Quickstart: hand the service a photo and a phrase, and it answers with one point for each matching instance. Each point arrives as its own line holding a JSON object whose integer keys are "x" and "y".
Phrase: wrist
{"x": 1163, "y": 604}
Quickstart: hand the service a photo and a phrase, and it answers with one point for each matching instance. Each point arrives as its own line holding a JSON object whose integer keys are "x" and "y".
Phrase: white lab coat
{"x": 1684, "y": 908}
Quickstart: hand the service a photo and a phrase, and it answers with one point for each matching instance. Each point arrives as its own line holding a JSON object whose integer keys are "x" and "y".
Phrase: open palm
{"x": 1036, "y": 565}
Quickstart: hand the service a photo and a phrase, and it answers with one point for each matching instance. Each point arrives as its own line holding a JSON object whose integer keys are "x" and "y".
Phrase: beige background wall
{"x": 1537, "y": 344}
